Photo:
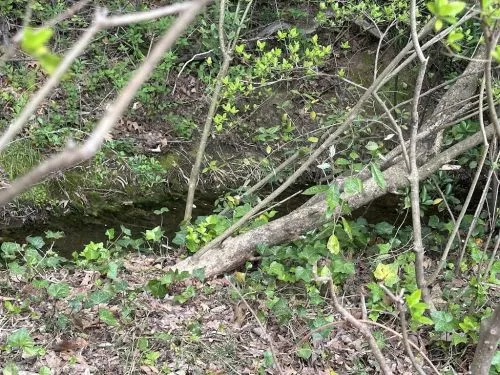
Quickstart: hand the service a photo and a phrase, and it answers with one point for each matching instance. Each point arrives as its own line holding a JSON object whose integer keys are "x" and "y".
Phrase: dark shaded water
{"x": 80, "y": 229}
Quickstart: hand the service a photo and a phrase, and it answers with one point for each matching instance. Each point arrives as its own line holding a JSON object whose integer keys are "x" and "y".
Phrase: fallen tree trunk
{"x": 235, "y": 251}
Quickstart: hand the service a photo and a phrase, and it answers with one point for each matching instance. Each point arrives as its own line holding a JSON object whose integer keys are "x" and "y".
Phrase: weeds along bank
{"x": 354, "y": 105}
{"x": 274, "y": 102}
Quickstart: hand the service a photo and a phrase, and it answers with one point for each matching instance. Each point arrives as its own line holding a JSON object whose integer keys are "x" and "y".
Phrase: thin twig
{"x": 418, "y": 246}
{"x": 76, "y": 154}
{"x": 401, "y": 306}
{"x": 456, "y": 227}
{"x": 351, "y": 116}
{"x": 227, "y": 52}
{"x": 363, "y": 329}
{"x": 263, "y": 329}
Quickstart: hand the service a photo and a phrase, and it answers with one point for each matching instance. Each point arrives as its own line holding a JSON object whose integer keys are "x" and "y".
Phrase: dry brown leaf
{"x": 71, "y": 345}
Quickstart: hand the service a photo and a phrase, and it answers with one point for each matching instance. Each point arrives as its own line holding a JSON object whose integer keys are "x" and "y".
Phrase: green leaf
{"x": 110, "y": 233}
{"x": 438, "y": 25}
{"x": 443, "y": 321}
{"x": 277, "y": 269}
{"x": 304, "y": 352}
{"x": 268, "y": 359}
{"x": 371, "y": 146}
{"x": 20, "y": 338}
{"x": 44, "y": 370}
{"x": 9, "y": 250}
{"x": 315, "y": 189}
{"x": 303, "y": 274}
{"x": 59, "y": 290}
{"x": 54, "y": 235}
{"x": 378, "y": 176}
{"x": 108, "y": 317}
{"x": 199, "y": 274}
{"x": 333, "y": 244}
{"x": 125, "y": 231}
{"x": 496, "y": 55}
{"x": 414, "y": 298}
{"x": 49, "y": 62}
{"x": 168, "y": 278}
{"x": 382, "y": 271}
{"x": 452, "y": 9}
{"x": 112, "y": 271}
{"x": 16, "y": 269}
{"x": 347, "y": 228}
{"x": 157, "y": 288}
{"x": 161, "y": 211}
{"x": 187, "y": 294}
{"x": 469, "y": 324}
{"x": 496, "y": 359}
{"x": 10, "y": 369}
{"x": 154, "y": 234}
{"x": 384, "y": 228}
{"x": 34, "y": 40}
{"x": 98, "y": 297}
{"x": 353, "y": 185}
{"x": 37, "y": 242}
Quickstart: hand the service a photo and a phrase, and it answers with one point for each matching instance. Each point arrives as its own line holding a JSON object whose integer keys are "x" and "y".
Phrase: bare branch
{"x": 148, "y": 15}
{"x": 472, "y": 188}
{"x": 74, "y": 155}
{"x": 227, "y": 52}
{"x": 400, "y": 305}
{"x": 418, "y": 246}
{"x": 353, "y": 113}
{"x": 363, "y": 329}
{"x": 100, "y": 22}
{"x": 489, "y": 336}
{"x": 263, "y": 329}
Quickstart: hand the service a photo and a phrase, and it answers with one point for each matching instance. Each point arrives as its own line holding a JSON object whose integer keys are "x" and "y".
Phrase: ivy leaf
{"x": 303, "y": 274}
{"x": 378, "y": 176}
{"x": 313, "y": 190}
{"x": 98, "y": 297}
{"x": 112, "y": 271}
{"x": 304, "y": 352}
{"x": 37, "y": 242}
{"x": 347, "y": 228}
{"x": 278, "y": 270}
{"x": 333, "y": 244}
{"x": 20, "y": 338}
{"x": 443, "y": 321}
{"x": 352, "y": 186}
{"x": 107, "y": 317}
{"x": 54, "y": 235}
{"x": 199, "y": 274}
{"x": 59, "y": 290}
{"x": 154, "y": 234}
{"x": 157, "y": 288}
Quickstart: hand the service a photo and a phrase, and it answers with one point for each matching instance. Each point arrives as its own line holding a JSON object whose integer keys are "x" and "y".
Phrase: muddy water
{"x": 80, "y": 229}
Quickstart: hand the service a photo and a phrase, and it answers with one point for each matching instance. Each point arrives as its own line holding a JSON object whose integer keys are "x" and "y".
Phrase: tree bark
{"x": 235, "y": 251}
{"x": 489, "y": 336}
